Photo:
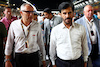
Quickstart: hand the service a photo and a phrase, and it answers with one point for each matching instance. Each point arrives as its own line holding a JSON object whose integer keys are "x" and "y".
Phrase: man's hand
{"x": 8, "y": 64}
{"x": 85, "y": 64}
{"x": 44, "y": 63}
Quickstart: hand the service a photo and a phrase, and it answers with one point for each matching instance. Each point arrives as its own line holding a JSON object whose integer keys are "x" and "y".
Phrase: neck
{"x": 67, "y": 25}
{"x": 25, "y": 23}
{"x": 8, "y": 17}
{"x": 89, "y": 18}
{"x": 51, "y": 17}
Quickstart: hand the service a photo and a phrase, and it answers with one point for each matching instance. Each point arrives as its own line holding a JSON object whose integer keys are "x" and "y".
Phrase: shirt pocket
{"x": 33, "y": 35}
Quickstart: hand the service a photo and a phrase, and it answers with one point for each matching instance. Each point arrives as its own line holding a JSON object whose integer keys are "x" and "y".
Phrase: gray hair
{"x": 22, "y": 7}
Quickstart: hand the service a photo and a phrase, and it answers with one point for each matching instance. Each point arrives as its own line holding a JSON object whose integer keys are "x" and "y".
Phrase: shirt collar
{"x": 5, "y": 18}
{"x": 33, "y": 22}
{"x": 52, "y": 18}
{"x": 8, "y": 19}
{"x": 63, "y": 26}
{"x": 88, "y": 20}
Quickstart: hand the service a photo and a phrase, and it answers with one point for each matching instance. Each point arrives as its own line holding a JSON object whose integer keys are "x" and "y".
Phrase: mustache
{"x": 68, "y": 18}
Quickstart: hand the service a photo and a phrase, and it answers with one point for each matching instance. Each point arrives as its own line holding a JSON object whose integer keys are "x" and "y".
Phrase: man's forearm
{"x": 85, "y": 64}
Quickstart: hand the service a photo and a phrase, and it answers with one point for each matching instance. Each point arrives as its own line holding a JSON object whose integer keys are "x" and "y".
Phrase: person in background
{"x": 8, "y": 17}
{"x": 98, "y": 15}
{"x": 68, "y": 44}
{"x": 92, "y": 27}
{"x": 35, "y": 17}
{"x": 26, "y": 36}
{"x": 3, "y": 35}
{"x": 95, "y": 14}
{"x": 50, "y": 21}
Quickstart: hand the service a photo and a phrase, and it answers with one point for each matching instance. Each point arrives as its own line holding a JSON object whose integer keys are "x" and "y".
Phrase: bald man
{"x": 92, "y": 27}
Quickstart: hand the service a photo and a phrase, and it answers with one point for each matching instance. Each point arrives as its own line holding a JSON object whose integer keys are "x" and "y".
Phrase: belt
{"x": 71, "y": 60}
{"x": 28, "y": 53}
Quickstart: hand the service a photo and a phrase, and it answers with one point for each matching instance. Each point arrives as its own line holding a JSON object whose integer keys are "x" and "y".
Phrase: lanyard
{"x": 90, "y": 24}
{"x": 91, "y": 30}
{"x": 26, "y": 36}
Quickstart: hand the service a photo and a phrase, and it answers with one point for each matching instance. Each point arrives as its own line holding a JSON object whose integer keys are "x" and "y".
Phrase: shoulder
{"x": 3, "y": 19}
{"x": 79, "y": 26}
{"x": 95, "y": 19}
{"x": 82, "y": 18}
{"x": 35, "y": 24}
{"x": 16, "y": 22}
{"x": 57, "y": 17}
{"x": 57, "y": 27}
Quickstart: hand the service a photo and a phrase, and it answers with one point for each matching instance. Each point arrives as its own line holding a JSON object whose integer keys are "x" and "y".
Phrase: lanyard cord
{"x": 26, "y": 36}
{"x": 90, "y": 25}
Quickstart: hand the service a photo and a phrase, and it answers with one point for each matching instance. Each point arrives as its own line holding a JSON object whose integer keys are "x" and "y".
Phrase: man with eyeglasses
{"x": 27, "y": 38}
{"x": 8, "y": 17}
{"x": 92, "y": 27}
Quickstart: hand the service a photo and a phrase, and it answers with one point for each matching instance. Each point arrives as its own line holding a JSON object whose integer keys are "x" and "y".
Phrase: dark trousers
{"x": 70, "y": 63}
{"x": 27, "y": 60}
{"x": 1, "y": 60}
{"x": 94, "y": 52}
{"x": 47, "y": 49}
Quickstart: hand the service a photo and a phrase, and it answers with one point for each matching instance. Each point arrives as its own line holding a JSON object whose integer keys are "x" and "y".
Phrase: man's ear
{"x": 21, "y": 12}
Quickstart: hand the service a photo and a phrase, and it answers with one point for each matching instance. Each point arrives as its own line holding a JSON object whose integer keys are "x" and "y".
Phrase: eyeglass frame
{"x": 29, "y": 11}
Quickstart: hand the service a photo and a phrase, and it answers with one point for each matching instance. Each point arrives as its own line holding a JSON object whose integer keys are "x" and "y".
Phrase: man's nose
{"x": 67, "y": 15}
{"x": 31, "y": 13}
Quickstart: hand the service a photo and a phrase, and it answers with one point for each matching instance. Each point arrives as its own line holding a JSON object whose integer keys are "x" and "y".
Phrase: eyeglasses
{"x": 28, "y": 12}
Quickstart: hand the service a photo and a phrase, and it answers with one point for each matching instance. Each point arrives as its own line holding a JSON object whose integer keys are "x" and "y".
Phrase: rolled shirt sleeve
{"x": 10, "y": 42}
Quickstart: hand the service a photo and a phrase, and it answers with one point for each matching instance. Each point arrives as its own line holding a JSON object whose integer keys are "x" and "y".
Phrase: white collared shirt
{"x": 92, "y": 24}
{"x": 16, "y": 34}
{"x": 68, "y": 44}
